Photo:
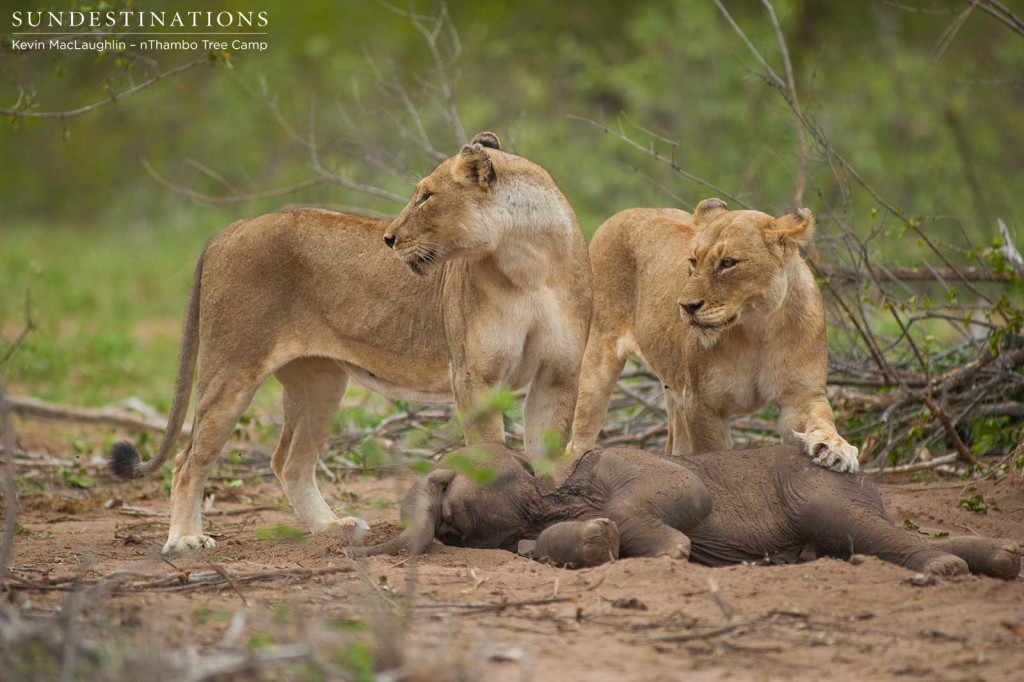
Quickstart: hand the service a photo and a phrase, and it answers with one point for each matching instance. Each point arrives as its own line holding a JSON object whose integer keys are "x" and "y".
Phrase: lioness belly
{"x": 431, "y": 392}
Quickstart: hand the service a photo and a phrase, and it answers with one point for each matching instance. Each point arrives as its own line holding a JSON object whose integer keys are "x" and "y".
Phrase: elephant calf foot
{"x": 578, "y": 544}
{"x": 946, "y": 565}
{"x": 986, "y": 556}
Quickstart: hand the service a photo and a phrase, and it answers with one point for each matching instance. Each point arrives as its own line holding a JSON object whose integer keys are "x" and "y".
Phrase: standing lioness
{"x": 723, "y": 308}
{"x": 491, "y": 286}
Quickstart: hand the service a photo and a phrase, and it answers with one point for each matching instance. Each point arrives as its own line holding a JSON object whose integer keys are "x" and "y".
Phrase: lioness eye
{"x": 423, "y": 197}
{"x": 693, "y": 262}
{"x": 726, "y": 263}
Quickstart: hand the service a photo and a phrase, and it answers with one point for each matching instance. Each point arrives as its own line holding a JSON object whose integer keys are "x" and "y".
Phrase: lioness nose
{"x": 691, "y": 307}
{"x": 389, "y": 239}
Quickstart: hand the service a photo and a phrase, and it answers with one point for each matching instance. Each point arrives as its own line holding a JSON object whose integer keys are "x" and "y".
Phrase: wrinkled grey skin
{"x": 771, "y": 505}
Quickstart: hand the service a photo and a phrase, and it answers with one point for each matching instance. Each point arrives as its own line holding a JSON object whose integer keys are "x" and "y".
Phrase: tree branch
{"x": 114, "y": 97}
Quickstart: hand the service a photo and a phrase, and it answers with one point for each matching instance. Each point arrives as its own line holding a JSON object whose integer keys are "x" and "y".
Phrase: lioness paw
{"x": 352, "y": 528}
{"x": 830, "y": 450}
{"x": 187, "y": 543}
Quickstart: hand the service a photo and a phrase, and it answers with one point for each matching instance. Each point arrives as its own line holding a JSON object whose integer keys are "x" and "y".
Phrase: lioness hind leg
{"x": 986, "y": 556}
{"x": 220, "y": 404}
{"x": 313, "y": 387}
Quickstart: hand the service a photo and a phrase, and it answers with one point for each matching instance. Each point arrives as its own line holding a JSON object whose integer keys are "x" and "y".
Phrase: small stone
{"x": 857, "y": 559}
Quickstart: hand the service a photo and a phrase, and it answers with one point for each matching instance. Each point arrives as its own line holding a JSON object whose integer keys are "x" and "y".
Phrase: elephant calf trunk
{"x": 421, "y": 515}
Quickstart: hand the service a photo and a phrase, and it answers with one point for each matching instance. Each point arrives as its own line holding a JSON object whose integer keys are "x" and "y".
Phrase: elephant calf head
{"x": 456, "y": 505}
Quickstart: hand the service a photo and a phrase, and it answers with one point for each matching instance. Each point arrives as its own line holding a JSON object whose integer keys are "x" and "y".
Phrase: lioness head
{"x": 739, "y": 266}
{"x": 443, "y": 218}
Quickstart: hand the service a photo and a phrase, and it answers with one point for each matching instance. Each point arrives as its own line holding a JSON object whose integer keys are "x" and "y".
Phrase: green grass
{"x": 107, "y": 302}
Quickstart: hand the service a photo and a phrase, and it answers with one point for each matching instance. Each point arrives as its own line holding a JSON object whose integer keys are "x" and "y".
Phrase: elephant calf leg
{"x": 844, "y": 529}
{"x": 986, "y": 556}
{"x": 651, "y": 537}
{"x": 577, "y": 544}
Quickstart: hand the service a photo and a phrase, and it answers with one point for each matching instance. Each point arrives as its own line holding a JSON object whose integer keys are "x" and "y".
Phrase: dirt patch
{"x": 497, "y": 616}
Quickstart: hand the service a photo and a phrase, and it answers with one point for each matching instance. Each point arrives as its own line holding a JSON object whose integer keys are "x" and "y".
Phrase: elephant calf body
{"x": 767, "y": 505}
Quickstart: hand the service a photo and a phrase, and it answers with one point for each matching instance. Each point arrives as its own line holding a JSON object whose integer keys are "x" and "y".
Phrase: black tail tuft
{"x": 124, "y": 460}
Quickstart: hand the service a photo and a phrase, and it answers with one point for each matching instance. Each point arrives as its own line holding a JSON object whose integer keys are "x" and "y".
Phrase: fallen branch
{"x": 920, "y": 466}
{"x": 27, "y": 406}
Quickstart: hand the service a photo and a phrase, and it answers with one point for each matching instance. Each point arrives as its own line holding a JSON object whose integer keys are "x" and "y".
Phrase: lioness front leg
{"x": 810, "y": 424}
{"x": 480, "y": 424}
{"x": 548, "y": 410}
{"x": 704, "y": 429}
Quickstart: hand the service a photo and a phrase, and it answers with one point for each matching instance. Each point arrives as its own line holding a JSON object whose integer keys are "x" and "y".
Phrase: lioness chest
{"x": 738, "y": 375}
{"x": 526, "y": 329}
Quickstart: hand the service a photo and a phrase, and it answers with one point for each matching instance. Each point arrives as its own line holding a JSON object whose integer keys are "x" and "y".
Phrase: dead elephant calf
{"x": 771, "y": 504}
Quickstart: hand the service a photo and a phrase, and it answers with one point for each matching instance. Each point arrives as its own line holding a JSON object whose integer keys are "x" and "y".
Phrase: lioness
{"x": 723, "y": 308}
{"x": 491, "y": 286}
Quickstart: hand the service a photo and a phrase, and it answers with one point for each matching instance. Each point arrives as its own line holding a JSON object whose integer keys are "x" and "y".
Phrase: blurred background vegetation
{"x": 934, "y": 124}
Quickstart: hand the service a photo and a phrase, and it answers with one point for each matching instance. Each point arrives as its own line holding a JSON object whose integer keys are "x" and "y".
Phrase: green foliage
{"x": 994, "y": 434}
{"x": 357, "y": 661}
{"x": 76, "y": 476}
{"x": 258, "y": 640}
{"x": 279, "y": 532}
{"x": 473, "y": 462}
{"x": 347, "y": 625}
{"x": 910, "y": 525}
{"x": 975, "y": 503}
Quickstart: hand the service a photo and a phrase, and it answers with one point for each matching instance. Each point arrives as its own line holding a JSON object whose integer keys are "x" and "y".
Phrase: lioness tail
{"x": 123, "y": 459}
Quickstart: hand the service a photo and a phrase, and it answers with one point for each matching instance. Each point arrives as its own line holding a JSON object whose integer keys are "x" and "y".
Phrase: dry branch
{"x": 9, "y": 484}
{"x": 27, "y": 406}
{"x": 920, "y": 466}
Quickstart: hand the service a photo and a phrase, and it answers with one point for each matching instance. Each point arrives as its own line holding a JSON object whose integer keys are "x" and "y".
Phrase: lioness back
{"x": 633, "y": 256}
{"x": 311, "y": 282}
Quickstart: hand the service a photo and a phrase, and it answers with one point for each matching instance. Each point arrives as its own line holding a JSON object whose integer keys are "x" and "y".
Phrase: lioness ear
{"x": 795, "y": 228}
{"x": 486, "y": 139}
{"x": 472, "y": 165}
{"x": 709, "y": 209}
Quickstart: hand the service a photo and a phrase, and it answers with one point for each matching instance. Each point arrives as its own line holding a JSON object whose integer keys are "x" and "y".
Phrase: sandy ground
{"x": 492, "y": 615}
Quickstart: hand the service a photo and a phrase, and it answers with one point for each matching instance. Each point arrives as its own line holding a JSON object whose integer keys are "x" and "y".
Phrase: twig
{"x": 503, "y": 606}
{"x": 704, "y": 634}
{"x": 227, "y": 578}
{"x": 801, "y": 177}
{"x": 972, "y": 274}
{"x": 671, "y": 163}
{"x": 114, "y": 97}
{"x": 716, "y": 592}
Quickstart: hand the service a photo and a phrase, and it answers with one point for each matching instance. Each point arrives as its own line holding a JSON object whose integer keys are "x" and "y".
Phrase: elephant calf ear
{"x": 472, "y": 165}
{"x": 486, "y": 139}
{"x": 794, "y": 229}
{"x": 708, "y": 210}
